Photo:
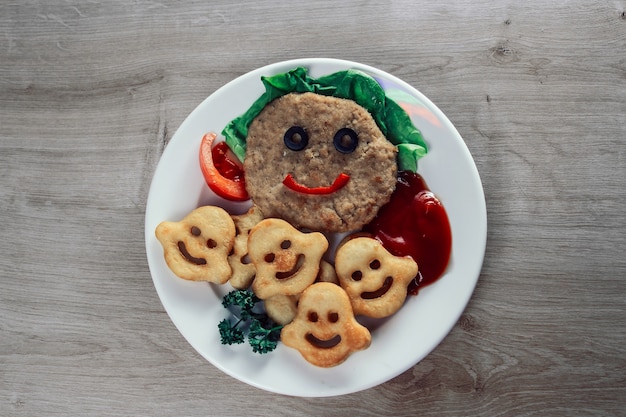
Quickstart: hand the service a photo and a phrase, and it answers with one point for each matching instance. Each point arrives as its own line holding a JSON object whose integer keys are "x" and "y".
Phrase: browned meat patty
{"x": 302, "y": 148}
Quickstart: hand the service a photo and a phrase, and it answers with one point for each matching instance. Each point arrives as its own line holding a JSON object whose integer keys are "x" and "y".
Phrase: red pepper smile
{"x": 341, "y": 180}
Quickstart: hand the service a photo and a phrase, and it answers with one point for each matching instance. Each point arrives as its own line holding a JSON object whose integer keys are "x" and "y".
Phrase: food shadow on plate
{"x": 371, "y": 323}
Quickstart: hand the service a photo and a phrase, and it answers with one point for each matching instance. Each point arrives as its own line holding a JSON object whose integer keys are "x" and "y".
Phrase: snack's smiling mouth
{"x": 293, "y": 271}
{"x": 340, "y": 181}
{"x": 324, "y": 344}
{"x": 189, "y": 257}
{"x": 369, "y": 295}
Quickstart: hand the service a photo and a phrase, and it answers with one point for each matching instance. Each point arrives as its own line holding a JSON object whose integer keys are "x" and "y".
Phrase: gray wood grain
{"x": 90, "y": 94}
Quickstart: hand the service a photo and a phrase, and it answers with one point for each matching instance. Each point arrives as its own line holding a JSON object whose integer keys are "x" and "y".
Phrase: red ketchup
{"x": 415, "y": 223}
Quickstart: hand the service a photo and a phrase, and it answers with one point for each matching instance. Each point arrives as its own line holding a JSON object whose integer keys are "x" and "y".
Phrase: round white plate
{"x": 398, "y": 342}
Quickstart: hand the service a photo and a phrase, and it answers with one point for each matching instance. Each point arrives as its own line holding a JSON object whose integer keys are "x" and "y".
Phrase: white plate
{"x": 401, "y": 341}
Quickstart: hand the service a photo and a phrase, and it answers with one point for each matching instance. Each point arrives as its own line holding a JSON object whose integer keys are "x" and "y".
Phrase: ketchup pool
{"x": 415, "y": 223}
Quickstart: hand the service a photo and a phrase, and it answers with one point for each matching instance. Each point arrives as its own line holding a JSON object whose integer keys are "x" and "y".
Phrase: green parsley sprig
{"x": 263, "y": 334}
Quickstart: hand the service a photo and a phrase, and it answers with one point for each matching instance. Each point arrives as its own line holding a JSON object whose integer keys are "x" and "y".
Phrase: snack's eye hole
{"x": 296, "y": 138}
{"x": 285, "y": 244}
{"x": 313, "y": 317}
{"x": 195, "y": 230}
{"x": 269, "y": 258}
{"x": 333, "y": 317}
{"x": 375, "y": 264}
{"x": 357, "y": 275}
{"x": 211, "y": 243}
{"x": 346, "y": 140}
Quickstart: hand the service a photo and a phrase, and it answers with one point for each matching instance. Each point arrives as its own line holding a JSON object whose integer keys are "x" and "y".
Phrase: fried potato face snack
{"x": 197, "y": 247}
{"x": 325, "y": 331}
{"x": 283, "y": 308}
{"x": 243, "y": 269}
{"x": 327, "y": 273}
{"x": 286, "y": 260}
{"x": 375, "y": 280}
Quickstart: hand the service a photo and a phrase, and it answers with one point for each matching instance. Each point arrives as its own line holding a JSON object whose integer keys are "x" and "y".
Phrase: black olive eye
{"x": 296, "y": 138}
{"x": 346, "y": 140}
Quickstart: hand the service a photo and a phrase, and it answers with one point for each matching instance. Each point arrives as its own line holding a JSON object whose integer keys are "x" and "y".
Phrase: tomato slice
{"x": 222, "y": 172}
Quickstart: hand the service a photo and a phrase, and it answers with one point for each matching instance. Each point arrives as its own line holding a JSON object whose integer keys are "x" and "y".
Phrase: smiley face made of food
{"x": 325, "y": 331}
{"x": 376, "y": 281}
{"x": 319, "y": 162}
{"x": 286, "y": 260}
{"x": 197, "y": 247}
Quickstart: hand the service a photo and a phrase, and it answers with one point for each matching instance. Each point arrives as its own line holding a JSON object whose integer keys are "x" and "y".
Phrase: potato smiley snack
{"x": 375, "y": 280}
{"x": 325, "y": 331}
{"x": 243, "y": 270}
{"x": 197, "y": 247}
{"x": 282, "y": 308}
{"x": 286, "y": 260}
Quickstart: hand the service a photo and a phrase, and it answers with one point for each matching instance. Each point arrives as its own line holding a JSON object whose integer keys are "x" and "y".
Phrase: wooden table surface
{"x": 91, "y": 92}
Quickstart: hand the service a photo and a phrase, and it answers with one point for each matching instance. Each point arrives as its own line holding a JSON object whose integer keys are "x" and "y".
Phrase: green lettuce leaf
{"x": 351, "y": 84}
